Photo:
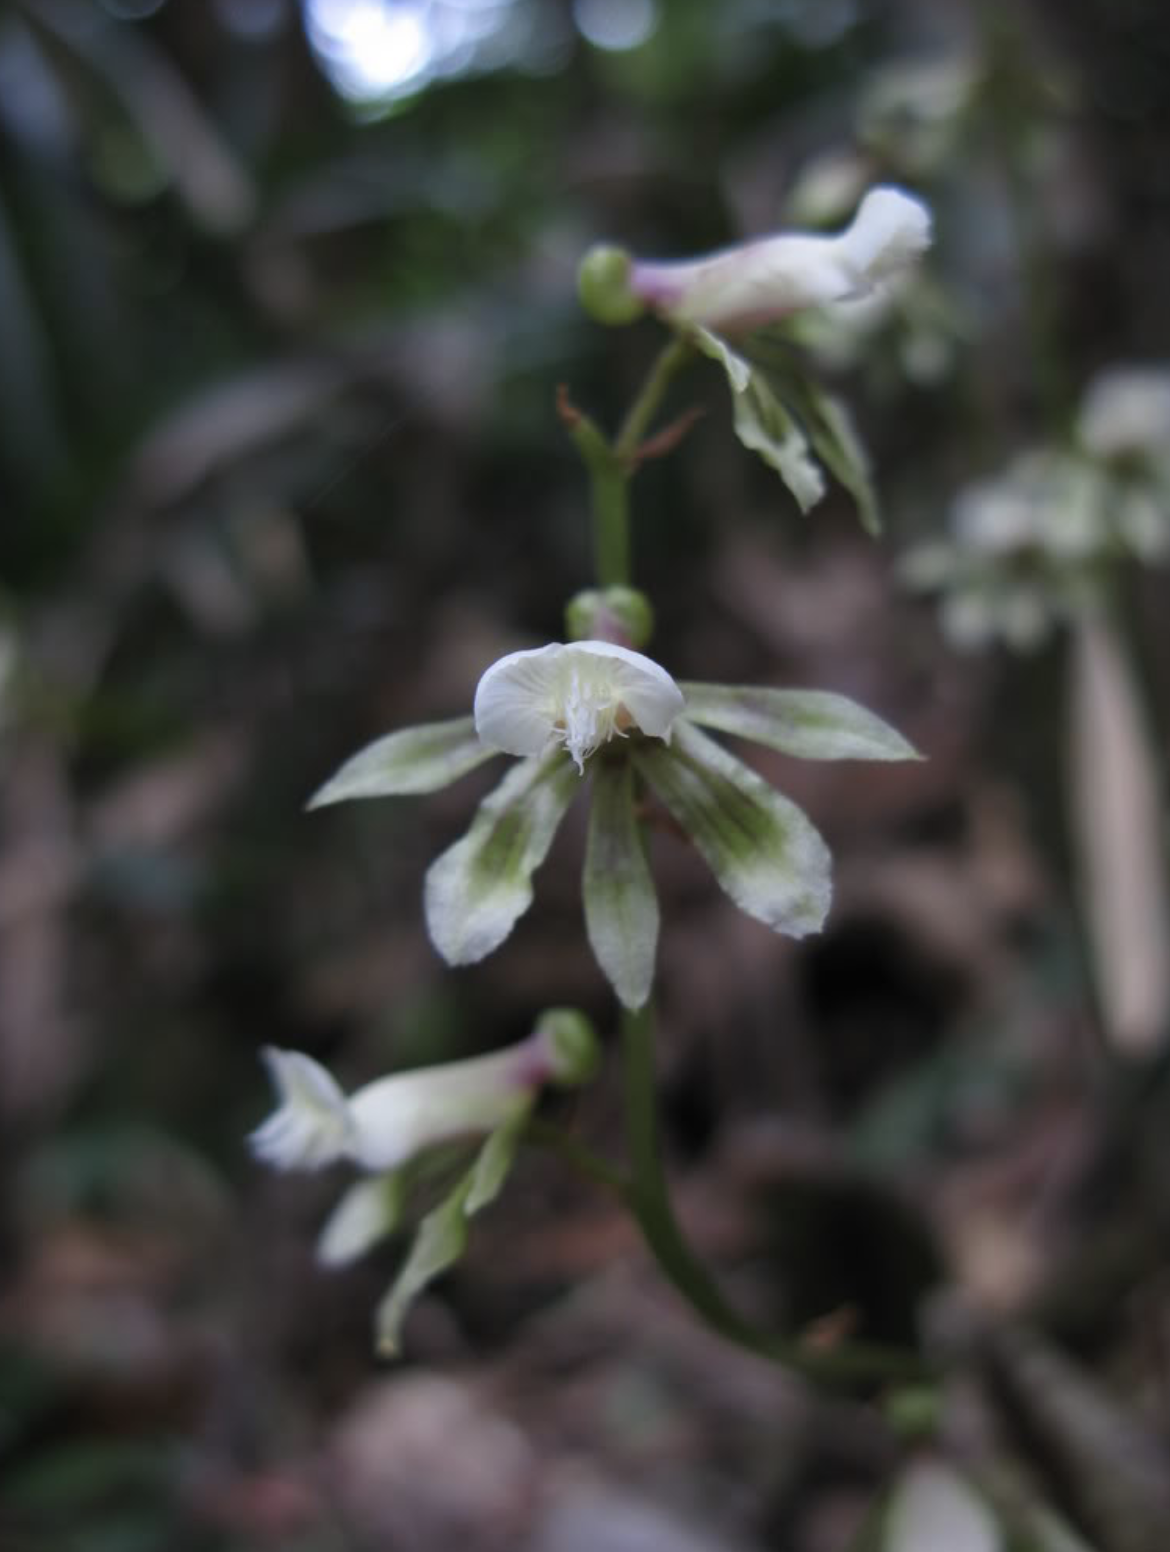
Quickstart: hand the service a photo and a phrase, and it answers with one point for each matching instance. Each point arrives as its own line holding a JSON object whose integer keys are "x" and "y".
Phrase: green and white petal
{"x": 762, "y": 849}
{"x": 764, "y": 425}
{"x": 369, "y": 1211}
{"x": 442, "y": 1235}
{"x": 480, "y": 887}
{"x": 621, "y": 908}
{"x": 413, "y": 760}
{"x": 494, "y": 1161}
{"x": 439, "y": 1241}
{"x": 836, "y": 442}
{"x": 579, "y": 694}
{"x": 811, "y": 724}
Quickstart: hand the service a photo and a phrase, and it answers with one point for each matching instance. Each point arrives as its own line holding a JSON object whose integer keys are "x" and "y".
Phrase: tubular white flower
{"x": 579, "y": 695}
{"x": 756, "y": 283}
{"x": 388, "y": 1122}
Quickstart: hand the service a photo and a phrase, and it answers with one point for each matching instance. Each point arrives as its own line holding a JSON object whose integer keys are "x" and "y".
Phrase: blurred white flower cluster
{"x": 1036, "y": 544}
{"x": 910, "y": 116}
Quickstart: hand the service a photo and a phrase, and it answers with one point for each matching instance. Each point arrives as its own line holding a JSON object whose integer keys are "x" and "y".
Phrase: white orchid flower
{"x": 756, "y": 283}
{"x": 391, "y": 1120}
{"x": 780, "y": 413}
{"x": 386, "y": 1126}
{"x": 578, "y": 695}
{"x": 593, "y": 709}
{"x": 1036, "y": 544}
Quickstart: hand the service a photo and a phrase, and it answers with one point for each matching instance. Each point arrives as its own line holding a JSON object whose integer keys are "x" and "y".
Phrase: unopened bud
{"x": 603, "y": 285}
{"x": 618, "y": 614}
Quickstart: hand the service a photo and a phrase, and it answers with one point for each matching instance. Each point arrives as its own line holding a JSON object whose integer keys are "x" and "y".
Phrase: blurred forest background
{"x": 286, "y": 291}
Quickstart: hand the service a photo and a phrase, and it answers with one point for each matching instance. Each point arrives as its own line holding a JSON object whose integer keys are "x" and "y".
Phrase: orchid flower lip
{"x": 579, "y": 695}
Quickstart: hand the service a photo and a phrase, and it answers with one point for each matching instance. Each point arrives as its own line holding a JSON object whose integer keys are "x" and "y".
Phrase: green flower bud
{"x": 603, "y": 285}
{"x": 572, "y": 1044}
{"x": 914, "y": 1412}
{"x": 620, "y": 614}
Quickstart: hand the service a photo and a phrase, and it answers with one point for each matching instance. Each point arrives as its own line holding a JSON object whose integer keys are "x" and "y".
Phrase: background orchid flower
{"x": 1042, "y": 541}
{"x": 752, "y": 284}
{"x": 780, "y": 413}
{"x": 389, "y": 1125}
{"x": 757, "y": 283}
{"x": 593, "y": 708}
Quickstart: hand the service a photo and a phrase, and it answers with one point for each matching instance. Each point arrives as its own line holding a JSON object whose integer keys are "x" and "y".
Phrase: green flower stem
{"x": 611, "y": 523}
{"x": 611, "y": 465}
{"x": 610, "y": 502}
{"x": 670, "y": 362}
{"x": 650, "y": 1201}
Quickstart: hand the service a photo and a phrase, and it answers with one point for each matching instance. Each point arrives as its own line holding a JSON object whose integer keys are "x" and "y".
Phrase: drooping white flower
{"x": 756, "y": 283}
{"x": 578, "y": 695}
{"x": 388, "y": 1122}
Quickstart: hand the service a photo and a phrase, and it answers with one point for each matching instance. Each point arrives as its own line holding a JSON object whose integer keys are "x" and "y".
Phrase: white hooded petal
{"x": 311, "y": 1126}
{"x": 756, "y": 283}
{"x": 579, "y": 695}
{"x": 515, "y": 701}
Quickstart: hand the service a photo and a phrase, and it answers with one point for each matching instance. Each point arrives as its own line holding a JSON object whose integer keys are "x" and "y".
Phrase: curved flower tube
{"x": 392, "y": 1120}
{"x": 756, "y": 283}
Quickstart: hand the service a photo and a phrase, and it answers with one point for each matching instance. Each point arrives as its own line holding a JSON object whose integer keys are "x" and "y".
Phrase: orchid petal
{"x": 442, "y": 1235}
{"x": 580, "y": 695}
{"x": 763, "y": 850}
{"x": 480, "y": 887}
{"x": 412, "y": 760}
{"x": 369, "y": 1211}
{"x": 621, "y": 908}
{"x": 811, "y": 724}
{"x": 764, "y": 425}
